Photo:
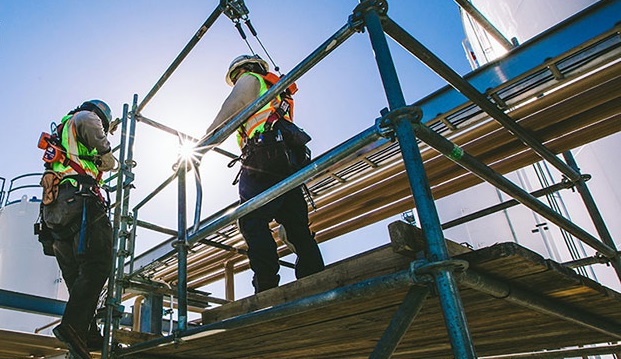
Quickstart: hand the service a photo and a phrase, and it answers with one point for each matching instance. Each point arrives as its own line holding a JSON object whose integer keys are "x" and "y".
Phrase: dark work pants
{"x": 84, "y": 273}
{"x": 291, "y": 211}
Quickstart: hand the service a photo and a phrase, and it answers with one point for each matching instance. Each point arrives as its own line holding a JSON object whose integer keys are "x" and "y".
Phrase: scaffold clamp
{"x": 385, "y": 124}
{"x": 356, "y": 19}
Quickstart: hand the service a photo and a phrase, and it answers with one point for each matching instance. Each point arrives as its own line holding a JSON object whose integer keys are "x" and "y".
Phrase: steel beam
{"x": 400, "y": 323}
{"x": 452, "y": 307}
{"x": 31, "y": 303}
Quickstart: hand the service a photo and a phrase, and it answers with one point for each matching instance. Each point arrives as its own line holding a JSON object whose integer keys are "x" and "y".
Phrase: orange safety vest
{"x": 256, "y": 123}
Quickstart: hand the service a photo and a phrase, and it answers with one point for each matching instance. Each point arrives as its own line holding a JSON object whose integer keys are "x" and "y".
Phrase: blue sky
{"x": 56, "y": 54}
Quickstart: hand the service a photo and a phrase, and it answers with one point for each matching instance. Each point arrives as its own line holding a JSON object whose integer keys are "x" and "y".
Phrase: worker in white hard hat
{"x": 266, "y": 160}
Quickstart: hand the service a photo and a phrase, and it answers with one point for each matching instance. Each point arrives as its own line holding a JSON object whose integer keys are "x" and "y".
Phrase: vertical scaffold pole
{"x": 454, "y": 316}
{"x": 596, "y": 216}
{"x": 182, "y": 249}
{"x": 113, "y": 283}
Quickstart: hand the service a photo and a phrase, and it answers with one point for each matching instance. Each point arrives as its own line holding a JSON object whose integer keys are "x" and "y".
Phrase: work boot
{"x": 66, "y": 334}
{"x": 261, "y": 284}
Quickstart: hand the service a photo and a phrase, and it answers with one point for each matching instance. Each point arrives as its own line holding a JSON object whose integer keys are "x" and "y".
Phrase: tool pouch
{"x": 267, "y": 155}
{"x": 50, "y": 182}
{"x": 63, "y": 216}
{"x": 294, "y": 136}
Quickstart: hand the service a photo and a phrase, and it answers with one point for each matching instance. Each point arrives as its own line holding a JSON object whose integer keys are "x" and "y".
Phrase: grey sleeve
{"x": 90, "y": 131}
{"x": 245, "y": 91}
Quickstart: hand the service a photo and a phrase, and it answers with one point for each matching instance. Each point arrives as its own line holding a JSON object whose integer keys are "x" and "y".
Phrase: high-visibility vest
{"x": 76, "y": 152}
{"x": 255, "y": 124}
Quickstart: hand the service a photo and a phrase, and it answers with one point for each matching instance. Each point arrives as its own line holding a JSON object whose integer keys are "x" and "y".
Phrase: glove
{"x": 107, "y": 162}
{"x": 113, "y": 126}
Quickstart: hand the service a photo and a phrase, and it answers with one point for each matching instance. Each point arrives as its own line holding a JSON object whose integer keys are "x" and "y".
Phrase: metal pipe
{"x": 450, "y": 300}
{"x": 182, "y": 250}
{"x": 156, "y": 228}
{"x": 456, "y": 154}
{"x": 210, "y": 140}
{"x": 177, "y": 133}
{"x": 186, "y": 50}
{"x": 132, "y": 241}
{"x": 463, "y": 86}
{"x": 166, "y": 289}
{"x": 113, "y": 280}
{"x": 48, "y": 325}
{"x": 583, "y": 262}
{"x": 199, "y": 195}
{"x": 537, "y": 302}
{"x": 31, "y": 303}
{"x": 137, "y": 313}
{"x": 359, "y": 290}
{"x": 562, "y": 353}
{"x": 319, "y": 165}
{"x": 159, "y": 189}
{"x": 485, "y": 23}
{"x": 507, "y": 204}
{"x": 596, "y": 216}
{"x": 400, "y": 323}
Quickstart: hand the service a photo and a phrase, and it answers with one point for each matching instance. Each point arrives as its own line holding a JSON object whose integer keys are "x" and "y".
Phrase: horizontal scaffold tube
{"x": 537, "y": 302}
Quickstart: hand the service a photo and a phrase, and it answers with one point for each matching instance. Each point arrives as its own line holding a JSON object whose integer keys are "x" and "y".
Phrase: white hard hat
{"x": 241, "y": 60}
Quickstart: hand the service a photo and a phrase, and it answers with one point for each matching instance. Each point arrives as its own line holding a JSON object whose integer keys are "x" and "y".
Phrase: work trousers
{"x": 290, "y": 210}
{"x": 86, "y": 264}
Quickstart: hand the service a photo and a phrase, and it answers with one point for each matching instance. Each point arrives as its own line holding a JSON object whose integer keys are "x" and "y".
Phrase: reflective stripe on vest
{"x": 74, "y": 149}
{"x": 256, "y": 122}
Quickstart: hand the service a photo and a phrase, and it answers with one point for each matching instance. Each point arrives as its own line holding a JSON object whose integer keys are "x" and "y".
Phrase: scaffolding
{"x": 410, "y": 124}
{"x": 463, "y": 134}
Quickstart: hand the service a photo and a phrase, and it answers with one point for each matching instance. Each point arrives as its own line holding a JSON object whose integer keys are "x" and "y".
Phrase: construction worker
{"x": 76, "y": 214}
{"x": 248, "y": 75}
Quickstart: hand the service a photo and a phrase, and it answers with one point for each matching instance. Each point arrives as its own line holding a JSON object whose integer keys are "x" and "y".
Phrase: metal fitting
{"x": 356, "y": 19}
{"x": 423, "y": 271}
{"x": 235, "y": 9}
{"x": 385, "y": 124}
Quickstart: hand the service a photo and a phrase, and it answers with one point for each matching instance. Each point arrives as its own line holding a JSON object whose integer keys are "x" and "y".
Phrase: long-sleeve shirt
{"x": 245, "y": 91}
{"x": 90, "y": 132}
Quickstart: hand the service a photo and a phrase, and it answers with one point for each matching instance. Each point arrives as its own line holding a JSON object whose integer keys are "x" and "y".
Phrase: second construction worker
{"x": 75, "y": 217}
{"x": 262, "y": 167}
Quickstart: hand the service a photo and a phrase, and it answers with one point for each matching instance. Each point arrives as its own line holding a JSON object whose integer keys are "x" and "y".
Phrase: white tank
{"x": 23, "y": 266}
{"x": 519, "y": 19}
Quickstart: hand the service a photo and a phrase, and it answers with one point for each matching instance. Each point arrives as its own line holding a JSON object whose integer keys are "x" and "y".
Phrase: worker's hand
{"x": 107, "y": 162}
{"x": 114, "y": 125}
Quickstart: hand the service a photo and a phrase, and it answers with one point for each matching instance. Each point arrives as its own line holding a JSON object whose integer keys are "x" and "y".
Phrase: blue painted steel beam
{"x": 400, "y": 323}
{"x": 450, "y": 300}
{"x": 31, "y": 303}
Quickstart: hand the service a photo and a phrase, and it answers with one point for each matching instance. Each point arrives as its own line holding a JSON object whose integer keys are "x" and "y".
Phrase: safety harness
{"x": 281, "y": 108}
{"x": 55, "y": 152}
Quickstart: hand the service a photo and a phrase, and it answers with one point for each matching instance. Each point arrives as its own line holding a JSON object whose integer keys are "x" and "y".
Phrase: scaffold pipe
{"x": 450, "y": 300}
